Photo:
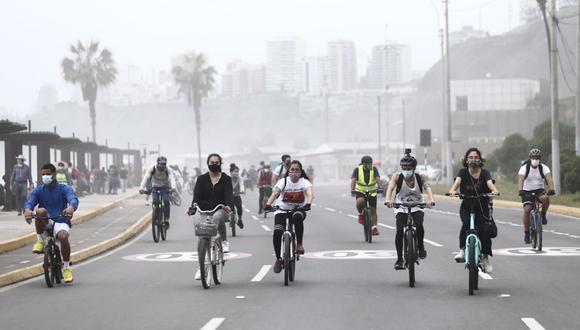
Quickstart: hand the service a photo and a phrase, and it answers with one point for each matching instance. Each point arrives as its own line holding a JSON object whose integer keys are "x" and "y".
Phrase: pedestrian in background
{"x": 20, "y": 182}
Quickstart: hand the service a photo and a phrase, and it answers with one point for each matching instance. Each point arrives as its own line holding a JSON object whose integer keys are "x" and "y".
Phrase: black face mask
{"x": 215, "y": 168}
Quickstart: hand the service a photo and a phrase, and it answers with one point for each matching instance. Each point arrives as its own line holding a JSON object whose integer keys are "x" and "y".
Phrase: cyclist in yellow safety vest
{"x": 365, "y": 178}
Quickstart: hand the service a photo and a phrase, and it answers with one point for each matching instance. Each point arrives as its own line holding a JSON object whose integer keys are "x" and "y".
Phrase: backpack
{"x": 528, "y": 165}
{"x": 155, "y": 169}
{"x": 417, "y": 178}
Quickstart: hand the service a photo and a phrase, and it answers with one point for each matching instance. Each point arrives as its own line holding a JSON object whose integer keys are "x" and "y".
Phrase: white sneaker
{"x": 226, "y": 246}
{"x": 460, "y": 257}
{"x": 487, "y": 267}
{"x": 198, "y": 275}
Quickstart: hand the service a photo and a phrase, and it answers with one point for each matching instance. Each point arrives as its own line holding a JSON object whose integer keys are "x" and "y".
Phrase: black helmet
{"x": 161, "y": 160}
{"x": 408, "y": 159}
{"x": 535, "y": 152}
{"x": 366, "y": 160}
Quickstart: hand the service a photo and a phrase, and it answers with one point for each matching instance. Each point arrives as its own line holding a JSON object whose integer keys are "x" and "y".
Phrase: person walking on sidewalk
{"x": 53, "y": 200}
{"x": 20, "y": 182}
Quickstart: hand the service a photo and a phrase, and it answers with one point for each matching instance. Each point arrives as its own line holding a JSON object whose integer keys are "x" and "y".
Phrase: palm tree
{"x": 196, "y": 79}
{"x": 91, "y": 69}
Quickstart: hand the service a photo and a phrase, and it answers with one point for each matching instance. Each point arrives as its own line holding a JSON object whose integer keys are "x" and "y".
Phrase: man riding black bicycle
{"x": 366, "y": 179}
{"x": 57, "y": 201}
{"x": 162, "y": 182}
{"x": 409, "y": 187}
{"x": 531, "y": 177}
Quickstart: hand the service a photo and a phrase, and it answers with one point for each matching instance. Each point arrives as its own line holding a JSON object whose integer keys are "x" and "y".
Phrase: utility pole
{"x": 554, "y": 85}
{"x": 447, "y": 119}
{"x": 387, "y": 133}
{"x": 326, "y": 116}
{"x": 443, "y": 155}
{"x": 403, "y": 120}
{"x": 578, "y": 84}
{"x": 379, "y": 115}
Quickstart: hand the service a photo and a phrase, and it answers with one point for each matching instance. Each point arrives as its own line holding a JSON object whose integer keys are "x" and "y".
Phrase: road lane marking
{"x": 352, "y": 254}
{"x": 386, "y": 226}
{"x": 10, "y": 266}
{"x": 25, "y": 261}
{"x": 432, "y": 243}
{"x": 266, "y": 228}
{"x": 485, "y": 276}
{"x": 352, "y": 216}
{"x": 254, "y": 217}
{"x": 240, "y": 297}
{"x": 248, "y": 210}
{"x": 314, "y": 204}
{"x": 213, "y": 323}
{"x": 532, "y": 323}
{"x": 504, "y": 295}
{"x": 262, "y": 273}
{"x": 330, "y": 209}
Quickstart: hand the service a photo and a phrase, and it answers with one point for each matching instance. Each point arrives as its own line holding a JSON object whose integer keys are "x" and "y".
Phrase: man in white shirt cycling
{"x": 531, "y": 178}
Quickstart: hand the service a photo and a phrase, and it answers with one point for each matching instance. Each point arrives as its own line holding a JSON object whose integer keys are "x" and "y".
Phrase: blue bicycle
{"x": 473, "y": 255}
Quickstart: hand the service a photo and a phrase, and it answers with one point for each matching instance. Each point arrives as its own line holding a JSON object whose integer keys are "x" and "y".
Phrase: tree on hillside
{"x": 196, "y": 80}
{"x": 509, "y": 156}
{"x": 543, "y": 138}
{"x": 91, "y": 69}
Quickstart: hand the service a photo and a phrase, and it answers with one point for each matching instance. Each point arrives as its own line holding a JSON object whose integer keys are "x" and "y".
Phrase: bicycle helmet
{"x": 535, "y": 152}
{"x": 161, "y": 160}
{"x": 408, "y": 159}
{"x": 366, "y": 160}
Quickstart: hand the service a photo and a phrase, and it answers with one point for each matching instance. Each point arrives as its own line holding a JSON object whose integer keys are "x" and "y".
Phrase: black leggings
{"x": 238, "y": 205}
{"x": 401, "y": 222}
{"x": 483, "y": 236}
{"x": 280, "y": 226}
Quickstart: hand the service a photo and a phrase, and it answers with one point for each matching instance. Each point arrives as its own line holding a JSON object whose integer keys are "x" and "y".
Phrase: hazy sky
{"x": 35, "y": 35}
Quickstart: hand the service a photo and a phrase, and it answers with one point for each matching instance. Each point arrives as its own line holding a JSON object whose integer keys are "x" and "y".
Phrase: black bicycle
{"x": 410, "y": 247}
{"x": 52, "y": 264}
{"x": 367, "y": 225}
{"x": 289, "y": 256}
{"x": 159, "y": 223}
{"x": 175, "y": 198}
{"x": 267, "y": 191}
{"x": 233, "y": 218}
{"x": 536, "y": 230}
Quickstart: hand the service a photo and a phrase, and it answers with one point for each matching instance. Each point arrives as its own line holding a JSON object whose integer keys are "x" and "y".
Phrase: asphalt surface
{"x": 129, "y": 288}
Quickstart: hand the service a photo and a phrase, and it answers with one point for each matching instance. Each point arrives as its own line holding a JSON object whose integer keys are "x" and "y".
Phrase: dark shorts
{"x": 372, "y": 200}
{"x": 531, "y": 199}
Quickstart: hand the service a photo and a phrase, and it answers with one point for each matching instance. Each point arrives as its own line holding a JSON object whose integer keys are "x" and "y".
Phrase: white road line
{"x": 262, "y": 273}
{"x": 254, "y": 217}
{"x": 266, "y": 228}
{"x": 248, "y": 210}
{"x": 314, "y": 204}
{"x": 386, "y": 226}
{"x": 25, "y": 261}
{"x": 485, "y": 276}
{"x": 10, "y": 266}
{"x": 432, "y": 243}
{"x": 329, "y": 209}
{"x": 532, "y": 323}
{"x": 352, "y": 216}
{"x": 213, "y": 323}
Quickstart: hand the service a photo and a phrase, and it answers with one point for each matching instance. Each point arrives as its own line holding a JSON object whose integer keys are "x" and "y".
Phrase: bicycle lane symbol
{"x": 352, "y": 254}
{"x": 546, "y": 251}
{"x": 179, "y": 256}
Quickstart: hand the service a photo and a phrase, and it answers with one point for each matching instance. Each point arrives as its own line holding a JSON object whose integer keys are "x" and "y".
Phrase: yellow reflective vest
{"x": 362, "y": 186}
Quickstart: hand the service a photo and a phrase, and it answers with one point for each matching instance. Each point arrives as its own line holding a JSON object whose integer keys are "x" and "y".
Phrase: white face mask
{"x": 535, "y": 162}
{"x": 46, "y": 179}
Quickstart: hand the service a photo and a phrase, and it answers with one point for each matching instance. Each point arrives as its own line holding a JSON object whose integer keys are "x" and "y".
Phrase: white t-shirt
{"x": 534, "y": 180}
{"x": 294, "y": 194}
{"x": 279, "y": 168}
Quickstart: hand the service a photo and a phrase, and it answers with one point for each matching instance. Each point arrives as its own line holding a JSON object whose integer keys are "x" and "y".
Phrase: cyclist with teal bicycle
{"x": 366, "y": 179}
{"x": 409, "y": 187}
{"x": 474, "y": 180}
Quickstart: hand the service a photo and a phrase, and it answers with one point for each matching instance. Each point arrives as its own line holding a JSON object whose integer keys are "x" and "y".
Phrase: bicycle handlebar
{"x": 207, "y": 212}
{"x": 419, "y": 205}
{"x": 464, "y": 196}
{"x": 278, "y": 208}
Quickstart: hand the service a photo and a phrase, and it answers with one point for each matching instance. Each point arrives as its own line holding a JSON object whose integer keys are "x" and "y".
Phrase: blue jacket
{"x": 53, "y": 200}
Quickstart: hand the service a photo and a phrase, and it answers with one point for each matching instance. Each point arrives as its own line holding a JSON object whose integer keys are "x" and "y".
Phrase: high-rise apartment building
{"x": 343, "y": 65}
{"x": 283, "y": 67}
{"x": 314, "y": 75}
{"x": 390, "y": 64}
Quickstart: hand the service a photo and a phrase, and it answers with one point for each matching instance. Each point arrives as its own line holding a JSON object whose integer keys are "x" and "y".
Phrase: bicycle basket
{"x": 206, "y": 228}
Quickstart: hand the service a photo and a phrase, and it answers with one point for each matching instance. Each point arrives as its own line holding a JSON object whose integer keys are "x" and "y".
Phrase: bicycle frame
{"x": 472, "y": 232}
{"x": 213, "y": 245}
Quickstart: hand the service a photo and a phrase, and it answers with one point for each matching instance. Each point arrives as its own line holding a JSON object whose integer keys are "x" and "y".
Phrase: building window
{"x": 461, "y": 102}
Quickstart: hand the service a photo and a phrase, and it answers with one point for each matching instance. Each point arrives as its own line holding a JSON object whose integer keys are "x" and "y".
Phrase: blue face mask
{"x": 46, "y": 179}
{"x": 407, "y": 174}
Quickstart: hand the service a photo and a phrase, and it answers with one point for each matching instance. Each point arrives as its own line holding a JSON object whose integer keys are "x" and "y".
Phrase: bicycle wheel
{"x": 539, "y": 230}
{"x": 217, "y": 266}
{"x": 47, "y": 266}
{"x": 176, "y": 199}
{"x": 154, "y": 225}
{"x": 286, "y": 257}
{"x": 204, "y": 258}
{"x": 233, "y": 222}
{"x": 57, "y": 267}
{"x": 163, "y": 229}
{"x": 292, "y": 263}
{"x": 410, "y": 256}
{"x": 367, "y": 226}
{"x": 471, "y": 264}
{"x": 533, "y": 231}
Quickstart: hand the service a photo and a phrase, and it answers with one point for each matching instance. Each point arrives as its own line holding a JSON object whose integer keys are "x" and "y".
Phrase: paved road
{"x": 122, "y": 291}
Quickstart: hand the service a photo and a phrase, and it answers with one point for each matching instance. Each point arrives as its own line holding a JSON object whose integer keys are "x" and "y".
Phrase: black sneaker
{"x": 544, "y": 219}
{"x": 166, "y": 224}
{"x": 399, "y": 265}
{"x": 240, "y": 224}
{"x": 527, "y": 239}
{"x": 278, "y": 266}
{"x": 422, "y": 253}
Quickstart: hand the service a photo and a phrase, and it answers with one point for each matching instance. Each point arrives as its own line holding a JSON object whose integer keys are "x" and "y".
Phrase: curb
{"x": 76, "y": 257}
{"x": 27, "y": 239}
{"x": 559, "y": 209}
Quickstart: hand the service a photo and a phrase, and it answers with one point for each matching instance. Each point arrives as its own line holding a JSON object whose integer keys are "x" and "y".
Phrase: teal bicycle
{"x": 473, "y": 255}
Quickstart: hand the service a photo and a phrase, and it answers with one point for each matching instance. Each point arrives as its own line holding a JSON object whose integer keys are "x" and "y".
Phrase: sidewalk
{"x": 15, "y": 232}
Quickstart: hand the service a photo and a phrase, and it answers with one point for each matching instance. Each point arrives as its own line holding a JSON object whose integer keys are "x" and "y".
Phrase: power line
{"x": 566, "y": 48}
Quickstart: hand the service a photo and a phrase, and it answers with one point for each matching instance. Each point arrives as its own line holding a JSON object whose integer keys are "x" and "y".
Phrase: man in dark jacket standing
{"x": 20, "y": 182}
